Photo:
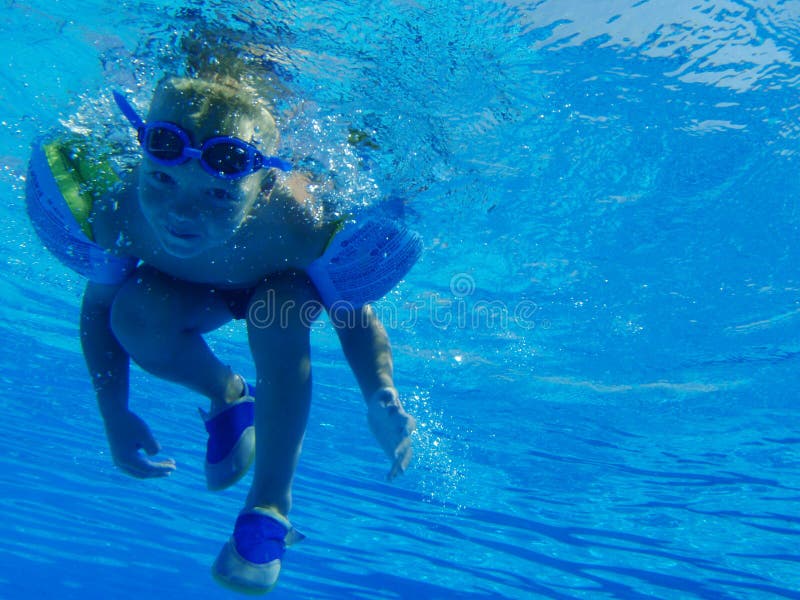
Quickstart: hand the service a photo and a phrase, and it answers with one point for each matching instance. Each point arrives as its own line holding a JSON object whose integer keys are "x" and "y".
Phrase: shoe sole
{"x": 229, "y": 561}
{"x": 235, "y": 465}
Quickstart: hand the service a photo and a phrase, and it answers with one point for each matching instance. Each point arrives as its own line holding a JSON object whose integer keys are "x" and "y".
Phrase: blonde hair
{"x": 226, "y": 101}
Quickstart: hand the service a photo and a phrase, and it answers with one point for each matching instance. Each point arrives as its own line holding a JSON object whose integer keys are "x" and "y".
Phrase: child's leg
{"x": 160, "y": 321}
{"x": 280, "y": 316}
{"x": 278, "y": 327}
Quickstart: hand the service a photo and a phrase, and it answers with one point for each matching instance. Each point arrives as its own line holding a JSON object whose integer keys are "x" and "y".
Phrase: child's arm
{"x": 109, "y": 365}
{"x": 366, "y": 346}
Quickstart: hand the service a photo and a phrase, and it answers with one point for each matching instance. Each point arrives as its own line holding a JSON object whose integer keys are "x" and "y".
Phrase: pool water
{"x": 600, "y": 343}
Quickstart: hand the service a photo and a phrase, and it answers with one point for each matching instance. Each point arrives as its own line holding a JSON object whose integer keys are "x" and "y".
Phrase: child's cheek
{"x": 151, "y": 198}
{"x": 226, "y": 219}
{"x": 149, "y": 208}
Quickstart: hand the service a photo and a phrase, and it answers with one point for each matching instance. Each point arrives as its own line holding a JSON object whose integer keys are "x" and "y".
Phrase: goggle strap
{"x": 276, "y": 163}
{"x": 128, "y": 111}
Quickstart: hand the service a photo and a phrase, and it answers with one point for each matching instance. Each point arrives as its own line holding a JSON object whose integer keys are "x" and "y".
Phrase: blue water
{"x": 600, "y": 343}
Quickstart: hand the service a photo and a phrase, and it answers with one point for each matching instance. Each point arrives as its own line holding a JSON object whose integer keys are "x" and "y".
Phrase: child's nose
{"x": 179, "y": 217}
{"x": 182, "y": 207}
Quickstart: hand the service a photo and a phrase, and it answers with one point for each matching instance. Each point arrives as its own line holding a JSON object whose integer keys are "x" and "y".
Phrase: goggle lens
{"x": 227, "y": 158}
{"x": 163, "y": 144}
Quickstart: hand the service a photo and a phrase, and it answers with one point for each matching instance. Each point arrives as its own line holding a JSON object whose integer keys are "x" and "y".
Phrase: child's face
{"x": 189, "y": 209}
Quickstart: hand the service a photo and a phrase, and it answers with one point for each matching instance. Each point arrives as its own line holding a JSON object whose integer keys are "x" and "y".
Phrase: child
{"x": 199, "y": 233}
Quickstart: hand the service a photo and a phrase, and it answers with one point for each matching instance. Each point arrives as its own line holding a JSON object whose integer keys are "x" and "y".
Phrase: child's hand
{"x": 127, "y": 434}
{"x": 392, "y": 427}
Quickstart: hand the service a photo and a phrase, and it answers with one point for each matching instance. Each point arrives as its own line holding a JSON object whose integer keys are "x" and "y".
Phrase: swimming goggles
{"x": 224, "y": 156}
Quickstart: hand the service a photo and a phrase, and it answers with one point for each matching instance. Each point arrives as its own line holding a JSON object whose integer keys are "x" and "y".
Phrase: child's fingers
{"x": 394, "y": 471}
{"x": 399, "y": 467}
{"x": 142, "y": 468}
{"x": 163, "y": 468}
{"x": 410, "y": 425}
{"x": 402, "y": 455}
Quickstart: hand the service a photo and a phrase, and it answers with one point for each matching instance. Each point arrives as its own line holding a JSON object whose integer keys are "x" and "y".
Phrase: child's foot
{"x": 250, "y": 562}
{"x": 231, "y": 445}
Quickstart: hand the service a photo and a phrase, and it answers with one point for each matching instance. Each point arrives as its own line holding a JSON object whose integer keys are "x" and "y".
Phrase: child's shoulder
{"x": 293, "y": 216}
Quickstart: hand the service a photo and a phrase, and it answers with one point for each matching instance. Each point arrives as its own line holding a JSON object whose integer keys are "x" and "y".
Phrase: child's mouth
{"x": 182, "y": 235}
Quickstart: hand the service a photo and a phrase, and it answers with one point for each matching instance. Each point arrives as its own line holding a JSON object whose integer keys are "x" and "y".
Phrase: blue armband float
{"x": 364, "y": 261}
{"x": 64, "y": 180}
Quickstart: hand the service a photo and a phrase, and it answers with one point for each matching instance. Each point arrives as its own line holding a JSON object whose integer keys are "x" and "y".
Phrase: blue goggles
{"x": 224, "y": 156}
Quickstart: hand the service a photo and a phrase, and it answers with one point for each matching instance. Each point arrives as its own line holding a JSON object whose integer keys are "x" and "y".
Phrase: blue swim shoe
{"x": 250, "y": 562}
{"x": 231, "y": 445}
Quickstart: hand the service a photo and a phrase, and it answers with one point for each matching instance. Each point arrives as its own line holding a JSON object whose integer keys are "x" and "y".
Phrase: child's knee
{"x": 136, "y": 315}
